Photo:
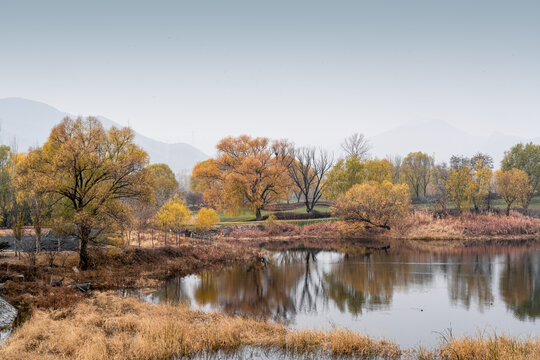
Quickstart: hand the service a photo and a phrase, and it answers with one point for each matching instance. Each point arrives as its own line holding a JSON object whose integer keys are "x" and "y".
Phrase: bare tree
{"x": 356, "y": 145}
{"x": 307, "y": 172}
{"x": 397, "y": 161}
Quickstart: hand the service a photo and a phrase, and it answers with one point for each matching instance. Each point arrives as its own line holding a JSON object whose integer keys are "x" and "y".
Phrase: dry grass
{"x": 111, "y": 327}
{"x": 487, "y": 348}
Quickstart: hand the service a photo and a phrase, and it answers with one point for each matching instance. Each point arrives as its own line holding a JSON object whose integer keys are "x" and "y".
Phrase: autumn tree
{"x": 512, "y": 185}
{"x": 416, "y": 170}
{"x": 206, "y": 218}
{"x": 479, "y": 185}
{"x": 173, "y": 216}
{"x": 163, "y": 182}
{"x": 307, "y": 172}
{"x": 458, "y": 185}
{"x": 373, "y": 204}
{"x": 357, "y": 146}
{"x": 352, "y": 171}
{"x": 36, "y": 194}
{"x": 248, "y": 171}
{"x": 525, "y": 157}
{"x": 90, "y": 171}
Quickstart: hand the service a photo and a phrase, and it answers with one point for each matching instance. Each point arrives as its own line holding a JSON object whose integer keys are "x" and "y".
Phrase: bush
{"x": 205, "y": 219}
{"x": 282, "y": 229}
{"x": 492, "y": 224}
{"x": 287, "y": 215}
{"x": 328, "y": 228}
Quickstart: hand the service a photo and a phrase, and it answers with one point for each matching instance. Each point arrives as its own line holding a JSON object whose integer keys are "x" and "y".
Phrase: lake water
{"x": 408, "y": 298}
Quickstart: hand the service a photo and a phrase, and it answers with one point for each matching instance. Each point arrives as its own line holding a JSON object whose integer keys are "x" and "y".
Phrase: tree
{"x": 307, "y": 172}
{"x": 164, "y": 183}
{"x": 248, "y": 171}
{"x": 479, "y": 185}
{"x": 35, "y": 194}
{"x": 458, "y": 185}
{"x": 527, "y": 158}
{"x": 173, "y": 216}
{"x": 374, "y": 204}
{"x": 352, "y": 171}
{"x": 206, "y": 218}
{"x": 416, "y": 169}
{"x": 439, "y": 179}
{"x": 512, "y": 185}
{"x": 357, "y": 146}
{"x": 396, "y": 161}
{"x": 90, "y": 172}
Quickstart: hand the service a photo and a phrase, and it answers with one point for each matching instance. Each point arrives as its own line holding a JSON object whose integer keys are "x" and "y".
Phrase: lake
{"x": 408, "y": 298}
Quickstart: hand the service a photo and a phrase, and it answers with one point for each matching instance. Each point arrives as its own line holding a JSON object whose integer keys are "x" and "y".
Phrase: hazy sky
{"x": 312, "y": 71}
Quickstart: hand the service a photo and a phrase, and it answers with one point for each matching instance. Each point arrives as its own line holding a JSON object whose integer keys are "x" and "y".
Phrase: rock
{"x": 8, "y": 313}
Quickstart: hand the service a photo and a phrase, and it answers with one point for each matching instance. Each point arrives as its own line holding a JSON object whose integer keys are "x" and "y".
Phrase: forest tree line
{"x": 94, "y": 183}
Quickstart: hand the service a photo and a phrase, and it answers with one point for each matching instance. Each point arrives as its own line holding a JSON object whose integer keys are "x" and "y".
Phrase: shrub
{"x": 319, "y": 228}
{"x": 282, "y": 229}
{"x": 492, "y": 224}
{"x": 374, "y": 204}
{"x": 205, "y": 219}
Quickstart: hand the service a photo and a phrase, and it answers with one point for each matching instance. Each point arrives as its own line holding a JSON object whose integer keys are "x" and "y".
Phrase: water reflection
{"x": 520, "y": 284}
{"x": 306, "y": 288}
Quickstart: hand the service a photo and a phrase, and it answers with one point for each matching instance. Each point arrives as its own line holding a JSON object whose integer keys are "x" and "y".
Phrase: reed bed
{"x": 107, "y": 326}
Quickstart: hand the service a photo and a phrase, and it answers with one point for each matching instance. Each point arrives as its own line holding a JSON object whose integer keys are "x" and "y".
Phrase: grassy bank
{"x": 107, "y": 326}
{"x": 30, "y": 286}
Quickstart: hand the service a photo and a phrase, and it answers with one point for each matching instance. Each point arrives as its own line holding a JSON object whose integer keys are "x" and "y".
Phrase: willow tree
{"x": 247, "y": 171}
{"x": 90, "y": 172}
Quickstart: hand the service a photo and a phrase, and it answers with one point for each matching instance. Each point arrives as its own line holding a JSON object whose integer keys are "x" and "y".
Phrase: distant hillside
{"x": 30, "y": 122}
{"x": 443, "y": 140}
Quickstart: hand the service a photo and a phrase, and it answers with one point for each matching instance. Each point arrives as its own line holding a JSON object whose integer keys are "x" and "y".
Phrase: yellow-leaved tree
{"x": 352, "y": 171}
{"x": 89, "y": 172}
{"x": 173, "y": 216}
{"x": 512, "y": 185}
{"x": 479, "y": 183}
{"x": 458, "y": 185}
{"x": 206, "y": 218}
{"x": 373, "y": 204}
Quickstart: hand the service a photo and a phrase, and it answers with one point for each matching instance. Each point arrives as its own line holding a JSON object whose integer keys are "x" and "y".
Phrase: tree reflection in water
{"x": 309, "y": 281}
{"x": 520, "y": 284}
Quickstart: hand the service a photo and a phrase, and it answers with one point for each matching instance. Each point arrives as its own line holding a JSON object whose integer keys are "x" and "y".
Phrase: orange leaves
{"x": 248, "y": 171}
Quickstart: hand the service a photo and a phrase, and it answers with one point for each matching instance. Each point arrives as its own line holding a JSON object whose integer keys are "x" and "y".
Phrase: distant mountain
{"x": 443, "y": 140}
{"x": 30, "y": 122}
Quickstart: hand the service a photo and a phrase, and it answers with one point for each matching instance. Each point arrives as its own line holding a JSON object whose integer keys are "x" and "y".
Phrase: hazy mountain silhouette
{"x": 30, "y": 122}
{"x": 442, "y": 140}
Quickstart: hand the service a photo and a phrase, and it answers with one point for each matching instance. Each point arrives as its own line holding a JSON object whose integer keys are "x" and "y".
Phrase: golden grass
{"x": 111, "y": 327}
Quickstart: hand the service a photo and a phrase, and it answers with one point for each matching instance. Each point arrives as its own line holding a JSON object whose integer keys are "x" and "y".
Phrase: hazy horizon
{"x": 313, "y": 72}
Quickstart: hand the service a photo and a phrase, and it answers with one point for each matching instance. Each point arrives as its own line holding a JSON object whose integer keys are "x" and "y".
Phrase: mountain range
{"x": 28, "y": 123}
{"x": 443, "y": 140}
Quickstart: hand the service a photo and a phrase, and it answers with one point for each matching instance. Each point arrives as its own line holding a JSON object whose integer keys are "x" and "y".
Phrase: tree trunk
{"x": 139, "y": 237}
{"x": 258, "y": 215}
{"x": 84, "y": 258}
{"x": 508, "y": 209}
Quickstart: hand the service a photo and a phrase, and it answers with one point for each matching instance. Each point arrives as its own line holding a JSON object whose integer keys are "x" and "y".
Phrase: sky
{"x": 310, "y": 71}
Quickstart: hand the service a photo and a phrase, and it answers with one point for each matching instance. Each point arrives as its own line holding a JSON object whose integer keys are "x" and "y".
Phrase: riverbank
{"x": 106, "y": 326}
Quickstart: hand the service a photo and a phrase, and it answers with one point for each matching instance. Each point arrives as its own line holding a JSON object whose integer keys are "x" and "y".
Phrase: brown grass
{"x": 111, "y": 327}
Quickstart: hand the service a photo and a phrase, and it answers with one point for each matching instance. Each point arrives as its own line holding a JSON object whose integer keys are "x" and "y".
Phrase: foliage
{"x": 459, "y": 185}
{"x": 512, "y": 185}
{"x": 480, "y": 182}
{"x": 251, "y": 171}
{"x": 527, "y": 158}
{"x": 416, "y": 171}
{"x": 164, "y": 183}
{"x": 173, "y": 215}
{"x": 375, "y": 204}
{"x": 352, "y": 171}
{"x": 89, "y": 172}
{"x": 206, "y": 218}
